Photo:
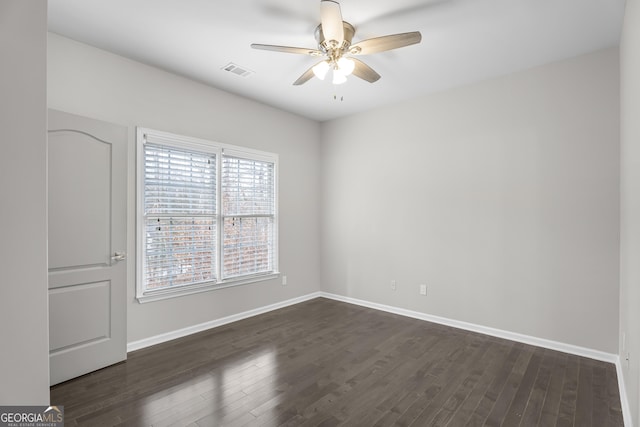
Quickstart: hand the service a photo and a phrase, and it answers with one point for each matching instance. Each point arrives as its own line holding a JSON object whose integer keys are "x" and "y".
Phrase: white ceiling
{"x": 463, "y": 41}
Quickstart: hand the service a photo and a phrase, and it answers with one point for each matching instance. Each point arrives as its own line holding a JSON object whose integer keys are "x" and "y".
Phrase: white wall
{"x": 502, "y": 196}
{"x": 630, "y": 205}
{"x": 24, "y": 319}
{"x": 93, "y": 83}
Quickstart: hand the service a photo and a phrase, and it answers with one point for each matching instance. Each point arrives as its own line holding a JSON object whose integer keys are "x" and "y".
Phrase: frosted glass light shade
{"x": 346, "y": 66}
{"x": 321, "y": 69}
{"x": 338, "y": 77}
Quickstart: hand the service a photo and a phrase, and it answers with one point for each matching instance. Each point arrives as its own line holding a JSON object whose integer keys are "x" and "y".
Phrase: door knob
{"x": 119, "y": 256}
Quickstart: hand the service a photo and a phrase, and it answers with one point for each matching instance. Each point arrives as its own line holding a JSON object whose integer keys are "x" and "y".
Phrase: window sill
{"x": 203, "y": 287}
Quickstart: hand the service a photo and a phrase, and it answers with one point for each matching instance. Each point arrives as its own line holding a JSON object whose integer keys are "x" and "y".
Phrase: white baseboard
{"x": 168, "y": 336}
{"x": 624, "y": 399}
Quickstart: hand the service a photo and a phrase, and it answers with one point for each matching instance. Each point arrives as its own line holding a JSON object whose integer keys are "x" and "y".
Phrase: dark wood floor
{"x": 327, "y": 363}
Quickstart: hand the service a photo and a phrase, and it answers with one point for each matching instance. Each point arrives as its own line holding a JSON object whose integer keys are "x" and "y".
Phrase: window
{"x": 248, "y": 216}
{"x": 207, "y": 215}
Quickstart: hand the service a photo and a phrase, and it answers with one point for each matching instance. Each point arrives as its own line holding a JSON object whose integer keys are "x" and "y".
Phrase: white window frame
{"x": 219, "y": 149}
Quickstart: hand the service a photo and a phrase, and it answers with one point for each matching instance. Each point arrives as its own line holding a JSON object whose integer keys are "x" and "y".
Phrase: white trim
{"x": 526, "y": 339}
{"x": 248, "y": 153}
{"x": 202, "y": 144}
{"x": 168, "y": 336}
{"x": 140, "y": 261}
{"x": 624, "y": 399}
{"x": 205, "y": 287}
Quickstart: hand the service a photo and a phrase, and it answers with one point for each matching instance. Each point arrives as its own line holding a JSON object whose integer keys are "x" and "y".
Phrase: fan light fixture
{"x": 341, "y": 69}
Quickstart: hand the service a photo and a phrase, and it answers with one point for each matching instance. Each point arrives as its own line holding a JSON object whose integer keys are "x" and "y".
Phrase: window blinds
{"x": 180, "y": 216}
{"x": 248, "y": 201}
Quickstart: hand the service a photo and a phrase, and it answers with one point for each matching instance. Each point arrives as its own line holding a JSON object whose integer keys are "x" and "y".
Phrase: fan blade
{"x": 331, "y": 20}
{"x": 381, "y": 44}
{"x": 365, "y": 72}
{"x": 308, "y": 75}
{"x": 288, "y": 49}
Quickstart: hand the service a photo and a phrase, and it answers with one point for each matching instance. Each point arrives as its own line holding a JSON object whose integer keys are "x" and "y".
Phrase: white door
{"x": 87, "y": 174}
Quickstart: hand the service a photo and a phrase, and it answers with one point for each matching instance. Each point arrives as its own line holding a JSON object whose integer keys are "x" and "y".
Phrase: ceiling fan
{"x": 334, "y": 38}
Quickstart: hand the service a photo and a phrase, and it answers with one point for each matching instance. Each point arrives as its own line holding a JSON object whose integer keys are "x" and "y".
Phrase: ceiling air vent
{"x": 237, "y": 70}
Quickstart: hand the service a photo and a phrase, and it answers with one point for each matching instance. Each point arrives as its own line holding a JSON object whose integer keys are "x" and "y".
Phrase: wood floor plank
{"x": 328, "y": 363}
{"x": 551, "y": 404}
{"x": 584, "y": 397}
{"x": 497, "y": 354}
{"x": 568, "y": 399}
{"x": 533, "y": 409}
{"x": 486, "y": 404}
{"x": 600, "y": 407}
{"x": 457, "y": 383}
{"x": 524, "y": 391}
{"x": 508, "y": 392}
{"x": 613, "y": 397}
{"x": 432, "y": 381}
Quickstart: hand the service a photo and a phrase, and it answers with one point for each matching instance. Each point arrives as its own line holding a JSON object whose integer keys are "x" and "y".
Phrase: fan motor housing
{"x": 323, "y": 44}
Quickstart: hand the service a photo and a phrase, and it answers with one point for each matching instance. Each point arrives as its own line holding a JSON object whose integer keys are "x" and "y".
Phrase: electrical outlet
{"x": 394, "y": 286}
{"x": 284, "y": 280}
{"x": 423, "y": 289}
